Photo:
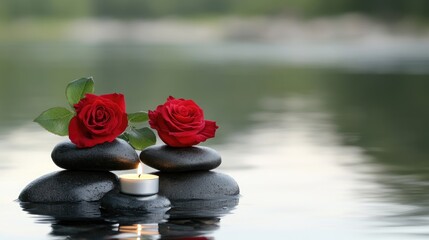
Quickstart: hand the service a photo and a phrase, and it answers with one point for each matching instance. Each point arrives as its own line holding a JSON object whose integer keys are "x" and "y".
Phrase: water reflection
{"x": 74, "y": 212}
{"x": 139, "y": 229}
{"x": 85, "y": 220}
{"x": 387, "y": 117}
{"x": 82, "y": 230}
{"x": 351, "y": 164}
{"x": 189, "y": 228}
{"x": 196, "y": 208}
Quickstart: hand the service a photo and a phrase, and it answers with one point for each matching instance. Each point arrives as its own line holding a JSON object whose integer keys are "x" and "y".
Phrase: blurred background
{"x": 164, "y": 47}
{"x": 328, "y": 98}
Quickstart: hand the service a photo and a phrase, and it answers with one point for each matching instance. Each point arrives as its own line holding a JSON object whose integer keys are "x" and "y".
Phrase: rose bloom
{"x": 180, "y": 123}
{"x": 98, "y": 119}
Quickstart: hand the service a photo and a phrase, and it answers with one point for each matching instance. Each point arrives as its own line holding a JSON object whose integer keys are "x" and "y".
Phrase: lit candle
{"x": 139, "y": 184}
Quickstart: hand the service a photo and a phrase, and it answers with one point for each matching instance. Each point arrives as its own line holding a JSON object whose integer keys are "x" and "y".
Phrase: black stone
{"x": 115, "y": 201}
{"x": 69, "y": 186}
{"x": 197, "y": 185}
{"x": 171, "y": 159}
{"x": 117, "y": 155}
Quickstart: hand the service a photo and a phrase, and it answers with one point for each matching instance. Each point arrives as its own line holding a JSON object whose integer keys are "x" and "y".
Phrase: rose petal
{"x": 209, "y": 129}
{"x": 168, "y": 139}
{"x": 187, "y": 141}
{"x": 119, "y": 99}
{"x": 78, "y": 133}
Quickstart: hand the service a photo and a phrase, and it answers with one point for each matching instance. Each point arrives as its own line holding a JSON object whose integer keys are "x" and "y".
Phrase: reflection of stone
{"x": 83, "y": 230}
{"x": 203, "y": 208}
{"x": 198, "y": 196}
{"x": 130, "y": 218}
{"x": 84, "y": 220}
{"x": 115, "y": 201}
{"x": 117, "y": 155}
{"x": 69, "y": 186}
{"x": 81, "y": 211}
{"x": 201, "y": 185}
{"x": 72, "y": 197}
{"x": 170, "y": 159}
{"x": 188, "y": 228}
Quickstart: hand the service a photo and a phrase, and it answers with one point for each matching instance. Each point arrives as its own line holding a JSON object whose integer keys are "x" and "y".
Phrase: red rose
{"x": 98, "y": 119}
{"x": 180, "y": 123}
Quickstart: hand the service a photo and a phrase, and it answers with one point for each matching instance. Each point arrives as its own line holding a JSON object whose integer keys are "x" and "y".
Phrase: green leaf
{"x": 138, "y": 117}
{"x": 56, "y": 120}
{"x": 77, "y": 89}
{"x": 123, "y": 137}
{"x": 141, "y": 138}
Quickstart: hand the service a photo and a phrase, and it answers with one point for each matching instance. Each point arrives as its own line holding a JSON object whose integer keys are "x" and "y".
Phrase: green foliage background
{"x": 130, "y": 9}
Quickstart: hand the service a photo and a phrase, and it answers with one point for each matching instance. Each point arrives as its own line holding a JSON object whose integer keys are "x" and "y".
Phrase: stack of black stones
{"x": 87, "y": 175}
{"x": 87, "y": 178}
{"x": 185, "y": 178}
{"x": 187, "y": 181}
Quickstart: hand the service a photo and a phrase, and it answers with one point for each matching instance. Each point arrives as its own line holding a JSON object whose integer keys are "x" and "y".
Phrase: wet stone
{"x": 197, "y": 185}
{"x": 69, "y": 186}
{"x": 117, "y": 155}
{"x": 171, "y": 159}
{"x": 115, "y": 201}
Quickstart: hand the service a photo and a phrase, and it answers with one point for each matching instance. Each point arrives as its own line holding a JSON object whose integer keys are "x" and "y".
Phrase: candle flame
{"x": 140, "y": 169}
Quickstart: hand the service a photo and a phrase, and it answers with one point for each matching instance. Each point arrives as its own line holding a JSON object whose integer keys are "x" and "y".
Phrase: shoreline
{"x": 350, "y": 42}
{"x": 346, "y": 28}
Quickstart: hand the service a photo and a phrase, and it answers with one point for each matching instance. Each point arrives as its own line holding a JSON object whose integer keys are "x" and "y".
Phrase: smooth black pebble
{"x": 69, "y": 186}
{"x": 116, "y": 201}
{"x": 197, "y": 185}
{"x": 117, "y": 155}
{"x": 171, "y": 159}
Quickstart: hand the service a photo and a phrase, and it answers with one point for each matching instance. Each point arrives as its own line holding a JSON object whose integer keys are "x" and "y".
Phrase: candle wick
{"x": 140, "y": 175}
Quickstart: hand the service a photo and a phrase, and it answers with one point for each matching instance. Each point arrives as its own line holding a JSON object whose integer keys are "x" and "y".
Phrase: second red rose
{"x": 181, "y": 123}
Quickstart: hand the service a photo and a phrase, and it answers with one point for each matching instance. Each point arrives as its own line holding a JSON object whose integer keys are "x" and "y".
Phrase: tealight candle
{"x": 139, "y": 184}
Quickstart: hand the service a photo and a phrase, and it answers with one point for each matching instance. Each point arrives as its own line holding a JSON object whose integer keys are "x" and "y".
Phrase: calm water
{"x": 319, "y": 153}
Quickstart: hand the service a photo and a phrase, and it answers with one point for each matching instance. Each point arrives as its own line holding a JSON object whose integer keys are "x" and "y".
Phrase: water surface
{"x": 319, "y": 153}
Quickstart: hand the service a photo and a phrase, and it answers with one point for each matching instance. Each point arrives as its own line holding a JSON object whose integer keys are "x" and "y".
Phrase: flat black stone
{"x": 69, "y": 186}
{"x": 114, "y": 201}
{"x": 171, "y": 159}
{"x": 197, "y": 185}
{"x": 117, "y": 155}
